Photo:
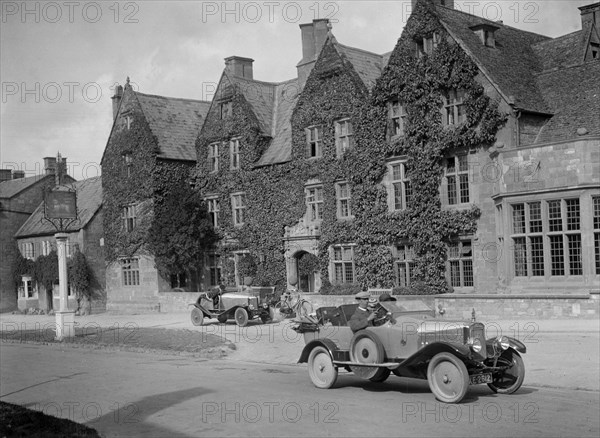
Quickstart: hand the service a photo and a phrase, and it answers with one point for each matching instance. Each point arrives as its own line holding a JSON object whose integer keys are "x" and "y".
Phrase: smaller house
{"x": 36, "y": 237}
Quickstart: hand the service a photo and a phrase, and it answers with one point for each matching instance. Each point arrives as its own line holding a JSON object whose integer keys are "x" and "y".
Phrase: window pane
{"x": 535, "y": 217}
{"x": 575, "y": 267}
{"x": 468, "y": 273}
{"x": 451, "y": 190}
{"x": 557, "y": 255}
{"x": 597, "y": 251}
{"x": 554, "y": 216}
{"x": 464, "y": 189}
{"x": 520, "y": 255}
{"x": 518, "y": 218}
{"x": 537, "y": 256}
{"x": 455, "y": 273}
{"x": 596, "y": 208}
{"x": 573, "y": 220}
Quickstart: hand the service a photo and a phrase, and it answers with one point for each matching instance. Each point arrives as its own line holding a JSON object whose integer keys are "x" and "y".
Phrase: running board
{"x": 390, "y": 365}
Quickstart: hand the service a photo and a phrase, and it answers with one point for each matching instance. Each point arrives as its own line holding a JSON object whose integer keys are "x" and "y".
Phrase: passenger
{"x": 362, "y": 317}
{"x": 386, "y": 297}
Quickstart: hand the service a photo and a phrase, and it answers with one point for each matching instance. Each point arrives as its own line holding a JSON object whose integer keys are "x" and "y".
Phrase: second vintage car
{"x": 250, "y": 303}
{"x": 408, "y": 341}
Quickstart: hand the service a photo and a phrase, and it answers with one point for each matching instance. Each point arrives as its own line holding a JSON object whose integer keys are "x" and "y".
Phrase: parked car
{"x": 251, "y": 303}
{"x": 408, "y": 341}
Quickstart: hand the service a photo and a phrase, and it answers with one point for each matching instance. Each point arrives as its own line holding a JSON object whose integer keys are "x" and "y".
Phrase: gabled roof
{"x": 560, "y": 52}
{"x": 368, "y": 65}
{"x": 89, "y": 200}
{"x": 280, "y": 149}
{"x": 261, "y": 97}
{"x": 511, "y": 65}
{"x": 175, "y": 122}
{"x": 574, "y": 96}
{"x": 13, "y": 187}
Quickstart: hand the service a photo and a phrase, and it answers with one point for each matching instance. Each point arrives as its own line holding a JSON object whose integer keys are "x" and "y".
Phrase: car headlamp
{"x": 251, "y": 306}
{"x": 476, "y": 345}
{"x": 504, "y": 342}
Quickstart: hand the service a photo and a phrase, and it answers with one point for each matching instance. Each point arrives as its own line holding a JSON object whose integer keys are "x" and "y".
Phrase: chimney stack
{"x": 5, "y": 175}
{"x": 239, "y": 66}
{"x": 116, "y": 100}
{"x": 49, "y": 165}
{"x": 590, "y": 14}
{"x": 18, "y": 174}
{"x": 313, "y": 38}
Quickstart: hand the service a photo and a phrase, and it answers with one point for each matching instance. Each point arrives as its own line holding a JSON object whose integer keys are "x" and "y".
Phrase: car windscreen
{"x": 406, "y": 306}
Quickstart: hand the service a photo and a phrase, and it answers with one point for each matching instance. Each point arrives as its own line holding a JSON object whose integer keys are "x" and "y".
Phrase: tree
{"x": 79, "y": 276}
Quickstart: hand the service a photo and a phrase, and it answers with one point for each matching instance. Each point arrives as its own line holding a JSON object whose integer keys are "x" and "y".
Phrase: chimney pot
{"x": 590, "y": 14}
{"x": 314, "y": 36}
{"x": 239, "y": 66}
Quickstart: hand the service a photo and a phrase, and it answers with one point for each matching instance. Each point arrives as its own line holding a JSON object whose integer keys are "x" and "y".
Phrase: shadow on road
{"x": 138, "y": 418}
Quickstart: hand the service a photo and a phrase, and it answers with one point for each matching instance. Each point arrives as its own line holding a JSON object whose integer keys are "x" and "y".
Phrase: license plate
{"x": 481, "y": 378}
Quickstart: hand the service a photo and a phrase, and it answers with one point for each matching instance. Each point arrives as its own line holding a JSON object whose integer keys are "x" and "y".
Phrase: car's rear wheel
{"x": 365, "y": 347}
{"x": 265, "y": 319}
{"x": 241, "y": 316}
{"x": 511, "y": 379}
{"x": 448, "y": 377}
{"x": 197, "y": 316}
{"x": 222, "y": 318}
{"x": 381, "y": 375}
{"x": 321, "y": 370}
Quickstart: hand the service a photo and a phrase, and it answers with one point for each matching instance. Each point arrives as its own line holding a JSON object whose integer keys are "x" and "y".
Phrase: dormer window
{"x": 595, "y": 50}
{"x": 486, "y": 33}
{"x": 428, "y": 44}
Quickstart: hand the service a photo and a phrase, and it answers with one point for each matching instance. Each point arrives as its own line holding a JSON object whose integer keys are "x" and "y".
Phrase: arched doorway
{"x": 308, "y": 271}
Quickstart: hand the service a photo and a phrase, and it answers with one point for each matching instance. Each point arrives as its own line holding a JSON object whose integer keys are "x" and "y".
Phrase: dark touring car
{"x": 408, "y": 341}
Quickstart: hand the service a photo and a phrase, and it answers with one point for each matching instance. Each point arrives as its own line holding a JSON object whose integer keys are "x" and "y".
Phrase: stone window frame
{"x": 344, "y": 136}
{"x": 128, "y": 161}
{"x": 342, "y": 268}
{"x": 551, "y": 238}
{"x": 427, "y": 44}
{"x": 130, "y": 271}
{"x": 129, "y": 217}
{"x": 28, "y": 250}
{"x": 460, "y": 263}
{"x": 213, "y": 206}
{"x": 457, "y": 180}
{"x": 313, "y": 197}
{"x": 213, "y": 156}
{"x": 396, "y": 118}
{"x": 453, "y": 109}
{"x": 314, "y": 141}
{"x": 398, "y": 182}
{"x": 596, "y": 228}
{"x": 238, "y": 208}
{"x": 403, "y": 255}
{"x": 234, "y": 154}
{"x": 343, "y": 200}
{"x": 213, "y": 266}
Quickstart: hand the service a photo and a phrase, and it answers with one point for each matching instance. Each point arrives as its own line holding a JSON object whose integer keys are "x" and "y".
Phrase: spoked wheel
{"x": 511, "y": 379}
{"x": 448, "y": 378}
{"x": 365, "y": 347}
{"x": 241, "y": 316}
{"x": 197, "y": 316}
{"x": 321, "y": 370}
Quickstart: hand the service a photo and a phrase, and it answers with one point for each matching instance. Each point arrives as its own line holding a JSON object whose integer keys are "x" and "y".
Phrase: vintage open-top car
{"x": 244, "y": 306}
{"x": 407, "y": 340}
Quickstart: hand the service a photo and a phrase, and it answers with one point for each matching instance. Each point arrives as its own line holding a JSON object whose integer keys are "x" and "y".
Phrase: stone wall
{"x": 494, "y": 307}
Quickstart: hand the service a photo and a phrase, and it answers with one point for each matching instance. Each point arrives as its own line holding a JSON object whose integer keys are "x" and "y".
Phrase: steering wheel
{"x": 382, "y": 315}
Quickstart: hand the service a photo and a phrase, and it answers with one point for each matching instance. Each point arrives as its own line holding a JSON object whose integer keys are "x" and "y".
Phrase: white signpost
{"x": 60, "y": 209}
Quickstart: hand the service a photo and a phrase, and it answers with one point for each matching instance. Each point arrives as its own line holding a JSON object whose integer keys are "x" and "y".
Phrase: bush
{"x": 339, "y": 289}
{"x": 417, "y": 288}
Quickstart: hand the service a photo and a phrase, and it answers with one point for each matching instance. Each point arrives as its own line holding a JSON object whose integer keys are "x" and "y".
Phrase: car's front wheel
{"x": 321, "y": 370}
{"x": 222, "y": 318}
{"x": 197, "y": 316}
{"x": 448, "y": 377}
{"x": 511, "y": 379}
{"x": 241, "y": 316}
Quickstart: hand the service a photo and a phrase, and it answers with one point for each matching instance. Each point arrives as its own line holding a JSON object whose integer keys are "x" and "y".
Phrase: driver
{"x": 362, "y": 317}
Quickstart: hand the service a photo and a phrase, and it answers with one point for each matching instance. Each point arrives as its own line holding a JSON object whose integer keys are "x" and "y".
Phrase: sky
{"x": 60, "y": 60}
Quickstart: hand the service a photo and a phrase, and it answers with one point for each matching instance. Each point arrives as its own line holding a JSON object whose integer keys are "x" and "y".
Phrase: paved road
{"x": 137, "y": 394}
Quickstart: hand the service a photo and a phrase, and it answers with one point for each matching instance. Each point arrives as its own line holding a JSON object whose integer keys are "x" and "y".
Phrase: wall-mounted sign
{"x": 61, "y": 205}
